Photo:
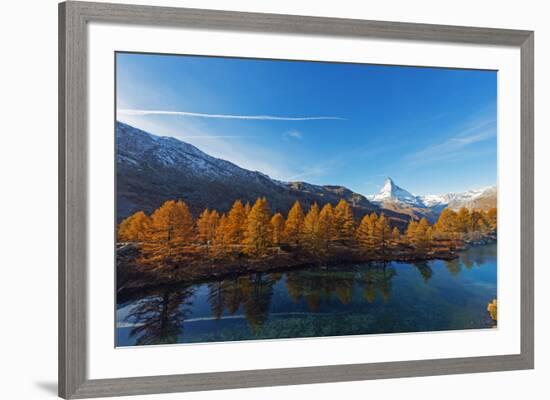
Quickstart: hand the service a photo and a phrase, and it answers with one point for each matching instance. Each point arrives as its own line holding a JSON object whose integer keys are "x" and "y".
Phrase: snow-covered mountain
{"x": 396, "y": 198}
{"x": 152, "y": 169}
{"x": 390, "y": 192}
{"x": 467, "y": 199}
{"x": 141, "y": 150}
{"x": 483, "y": 199}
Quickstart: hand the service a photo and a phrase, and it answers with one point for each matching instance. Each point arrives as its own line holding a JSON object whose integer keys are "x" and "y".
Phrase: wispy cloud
{"x": 344, "y": 160}
{"x": 454, "y": 147}
{"x": 308, "y": 172}
{"x": 294, "y": 134}
{"x": 225, "y": 116}
{"x": 228, "y": 147}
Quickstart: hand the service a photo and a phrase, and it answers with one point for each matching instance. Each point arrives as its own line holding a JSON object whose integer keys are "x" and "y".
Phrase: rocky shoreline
{"x": 131, "y": 275}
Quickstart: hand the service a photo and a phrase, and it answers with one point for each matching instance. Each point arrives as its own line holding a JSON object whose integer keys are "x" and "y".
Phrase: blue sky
{"x": 432, "y": 130}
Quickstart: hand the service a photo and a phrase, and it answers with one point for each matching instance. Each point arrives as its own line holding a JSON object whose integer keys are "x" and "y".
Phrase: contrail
{"x": 226, "y": 116}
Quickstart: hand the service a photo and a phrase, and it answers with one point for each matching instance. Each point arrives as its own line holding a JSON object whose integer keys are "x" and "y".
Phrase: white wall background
{"x": 28, "y": 200}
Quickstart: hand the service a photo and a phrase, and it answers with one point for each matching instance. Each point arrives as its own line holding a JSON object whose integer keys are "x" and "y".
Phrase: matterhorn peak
{"x": 388, "y": 184}
{"x": 390, "y": 192}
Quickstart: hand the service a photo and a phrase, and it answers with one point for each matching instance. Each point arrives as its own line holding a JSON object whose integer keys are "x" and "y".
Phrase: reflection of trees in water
{"x": 477, "y": 256}
{"x": 257, "y": 293}
{"x": 467, "y": 260}
{"x": 344, "y": 291}
{"x": 275, "y": 276}
{"x": 315, "y": 287}
{"x": 217, "y": 294}
{"x": 454, "y": 266}
{"x": 369, "y": 289}
{"x": 385, "y": 282}
{"x": 377, "y": 278}
{"x": 425, "y": 270}
{"x": 473, "y": 257}
{"x": 158, "y": 318}
{"x": 252, "y": 292}
{"x": 233, "y": 295}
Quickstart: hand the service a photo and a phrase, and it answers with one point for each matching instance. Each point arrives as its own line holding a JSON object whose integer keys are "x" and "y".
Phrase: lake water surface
{"x": 317, "y": 301}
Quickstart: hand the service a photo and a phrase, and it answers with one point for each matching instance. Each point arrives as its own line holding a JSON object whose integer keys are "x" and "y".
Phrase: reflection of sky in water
{"x": 324, "y": 301}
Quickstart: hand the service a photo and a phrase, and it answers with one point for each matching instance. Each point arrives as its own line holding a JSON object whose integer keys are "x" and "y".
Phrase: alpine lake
{"x": 316, "y": 301}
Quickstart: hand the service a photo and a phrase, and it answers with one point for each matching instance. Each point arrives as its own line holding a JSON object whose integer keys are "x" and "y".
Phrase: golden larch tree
{"x": 476, "y": 220}
{"x": 463, "y": 221}
{"x": 294, "y": 224}
{"x": 258, "y": 235}
{"x": 326, "y": 228}
{"x": 395, "y": 237}
{"x": 422, "y": 236}
{"x": 134, "y": 228}
{"x": 122, "y": 233}
{"x": 278, "y": 227}
{"x": 170, "y": 234}
{"x": 446, "y": 228}
{"x": 410, "y": 233}
{"x": 478, "y": 226}
{"x": 382, "y": 234}
{"x": 344, "y": 222}
{"x": 446, "y": 223}
{"x": 364, "y": 235}
{"x": 430, "y": 236}
{"x": 202, "y": 226}
{"x": 492, "y": 308}
{"x": 236, "y": 223}
{"x": 213, "y": 221}
{"x": 491, "y": 218}
{"x": 247, "y": 208}
{"x": 373, "y": 217}
{"x": 311, "y": 228}
{"x": 222, "y": 242}
{"x": 206, "y": 227}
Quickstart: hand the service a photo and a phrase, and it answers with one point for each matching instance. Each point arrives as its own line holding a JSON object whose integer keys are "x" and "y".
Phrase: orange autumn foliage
{"x": 170, "y": 235}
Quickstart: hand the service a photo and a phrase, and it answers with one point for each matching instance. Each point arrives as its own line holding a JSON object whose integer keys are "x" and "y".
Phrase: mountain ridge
{"x": 391, "y": 196}
{"x": 391, "y": 192}
{"x": 152, "y": 169}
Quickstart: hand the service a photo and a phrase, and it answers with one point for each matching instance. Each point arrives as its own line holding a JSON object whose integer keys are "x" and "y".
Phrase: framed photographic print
{"x": 350, "y": 199}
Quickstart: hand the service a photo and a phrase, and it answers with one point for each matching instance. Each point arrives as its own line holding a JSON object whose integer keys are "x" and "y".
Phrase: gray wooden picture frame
{"x": 73, "y": 202}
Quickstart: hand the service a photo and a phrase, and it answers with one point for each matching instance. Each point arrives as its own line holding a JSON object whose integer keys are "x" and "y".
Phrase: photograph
{"x": 271, "y": 200}
{"x": 262, "y": 199}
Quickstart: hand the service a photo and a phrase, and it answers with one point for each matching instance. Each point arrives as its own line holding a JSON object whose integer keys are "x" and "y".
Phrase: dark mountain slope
{"x": 153, "y": 169}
